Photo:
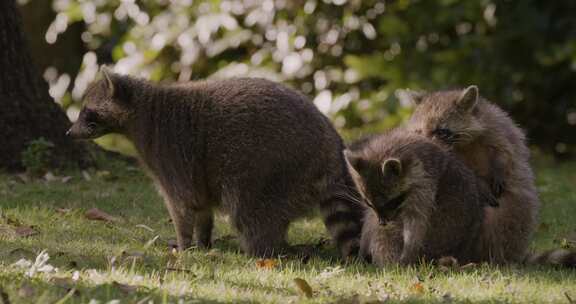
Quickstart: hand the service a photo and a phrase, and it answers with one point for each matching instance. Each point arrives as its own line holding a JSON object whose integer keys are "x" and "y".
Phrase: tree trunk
{"x": 27, "y": 112}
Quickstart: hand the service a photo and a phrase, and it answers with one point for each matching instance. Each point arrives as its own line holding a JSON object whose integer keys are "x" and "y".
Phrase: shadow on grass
{"x": 20, "y": 289}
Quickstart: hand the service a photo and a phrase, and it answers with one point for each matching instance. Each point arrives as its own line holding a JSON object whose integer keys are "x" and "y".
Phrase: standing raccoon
{"x": 255, "y": 149}
{"x": 489, "y": 143}
{"x": 423, "y": 202}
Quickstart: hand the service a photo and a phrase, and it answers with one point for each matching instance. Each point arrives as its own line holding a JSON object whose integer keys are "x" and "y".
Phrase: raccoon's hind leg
{"x": 262, "y": 232}
{"x": 260, "y": 223}
{"x": 203, "y": 225}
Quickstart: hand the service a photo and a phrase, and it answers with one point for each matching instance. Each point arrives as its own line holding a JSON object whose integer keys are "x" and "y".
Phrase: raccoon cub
{"x": 489, "y": 142}
{"x": 259, "y": 151}
{"x": 423, "y": 202}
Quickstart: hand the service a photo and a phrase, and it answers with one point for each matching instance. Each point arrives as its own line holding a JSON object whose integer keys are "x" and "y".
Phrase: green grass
{"x": 130, "y": 261}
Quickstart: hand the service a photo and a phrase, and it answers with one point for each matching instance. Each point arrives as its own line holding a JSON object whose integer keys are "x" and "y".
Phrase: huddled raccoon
{"x": 258, "y": 150}
{"x": 489, "y": 142}
{"x": 423, "y": 202}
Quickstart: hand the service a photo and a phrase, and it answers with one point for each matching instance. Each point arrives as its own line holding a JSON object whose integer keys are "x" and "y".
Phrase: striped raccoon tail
{"x": 342, "y": 211}
{"x": 565, "y": 258}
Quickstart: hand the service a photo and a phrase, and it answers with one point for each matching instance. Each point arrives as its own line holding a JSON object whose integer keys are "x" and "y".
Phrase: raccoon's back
{"x": 267, "y": 116}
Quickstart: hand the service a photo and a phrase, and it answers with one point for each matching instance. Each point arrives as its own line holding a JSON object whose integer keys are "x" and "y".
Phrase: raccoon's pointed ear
{"x": 118, "y": 86}
{"x": 108, "y": 77}
{"x": 410, "y": 96}
{"x": 469, "y": 98}
{"x": 354, "y": 160}
{"x": 392, "y": 167}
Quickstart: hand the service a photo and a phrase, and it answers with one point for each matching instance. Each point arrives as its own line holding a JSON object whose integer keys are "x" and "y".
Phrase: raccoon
{"x": 489, "y": 142}
{"x": 257, "y": 150}
{"x": 423, "y": 202}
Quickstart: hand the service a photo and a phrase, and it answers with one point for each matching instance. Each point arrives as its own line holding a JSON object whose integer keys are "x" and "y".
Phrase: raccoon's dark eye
{"x": 443, "y": 134}
{"x": 92, "y": 119}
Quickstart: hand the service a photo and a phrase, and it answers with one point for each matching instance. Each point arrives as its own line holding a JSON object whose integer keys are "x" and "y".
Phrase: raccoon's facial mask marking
{"x": 389, "y": 194}
{"x": 390, "y": 209}
{"x": 106, "y": 108}
{"x": 382, "y": 185}
{"x": 445, "y": 135}
{"x": 89, "y": 125}
{"x": 448, "y": 116}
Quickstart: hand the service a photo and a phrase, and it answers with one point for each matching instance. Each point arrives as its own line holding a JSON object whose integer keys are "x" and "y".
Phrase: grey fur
{"x": 259, "y": 151}
{"x": 491, "y": 144}
{"x": 442, "y": 211}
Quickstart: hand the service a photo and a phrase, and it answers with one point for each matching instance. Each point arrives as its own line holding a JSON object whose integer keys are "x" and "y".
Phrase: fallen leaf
{"x": 25, "y": 231}
{"x": 304, "y": 287}
{"x": 125, "y": 288}
{"x": 96, "y": 214}
{"x": 448, "y": 261}
{"x": 214, "y": 253}
{"x": 417, "y": 288}
{"x": 266, "y": 263}
{"x": 467, "y": 266}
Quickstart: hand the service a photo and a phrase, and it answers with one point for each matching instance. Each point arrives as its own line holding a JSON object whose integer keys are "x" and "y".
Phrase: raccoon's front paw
{"x": 497, "y": 186}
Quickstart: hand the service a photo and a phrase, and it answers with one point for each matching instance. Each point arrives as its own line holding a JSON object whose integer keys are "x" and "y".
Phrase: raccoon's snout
{"x": 79, "y": 131}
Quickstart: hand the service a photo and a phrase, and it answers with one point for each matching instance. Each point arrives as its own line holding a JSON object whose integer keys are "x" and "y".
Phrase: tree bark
{"x": 27, "y": 112}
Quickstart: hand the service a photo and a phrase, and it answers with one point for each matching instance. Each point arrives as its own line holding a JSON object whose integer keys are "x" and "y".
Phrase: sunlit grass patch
{"x": 130, "y": 259}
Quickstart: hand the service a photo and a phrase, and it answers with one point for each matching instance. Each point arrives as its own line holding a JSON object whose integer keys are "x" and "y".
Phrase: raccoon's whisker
{"x": 350, "y": 198}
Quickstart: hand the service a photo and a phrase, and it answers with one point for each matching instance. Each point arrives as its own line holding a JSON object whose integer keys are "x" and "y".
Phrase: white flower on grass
{"x": 22, "y": 263}
{"x": 330, "y": 272}
{"x": 39, "y": 265}
{"x": 76, "y": 275}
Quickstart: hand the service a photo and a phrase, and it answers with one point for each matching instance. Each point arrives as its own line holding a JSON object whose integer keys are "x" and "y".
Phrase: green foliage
{"x": 37, "y": 157}
{"x": 351, "y": 55}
